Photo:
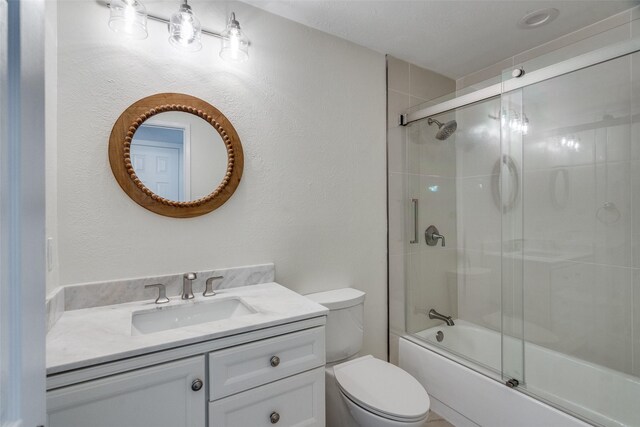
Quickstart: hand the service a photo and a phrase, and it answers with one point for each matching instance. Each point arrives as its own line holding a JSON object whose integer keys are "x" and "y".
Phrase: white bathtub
{"x": 470, "y": 398}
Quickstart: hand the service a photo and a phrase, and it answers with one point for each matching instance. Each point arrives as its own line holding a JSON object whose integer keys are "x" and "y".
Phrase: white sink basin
{"x": 188, "y": 314}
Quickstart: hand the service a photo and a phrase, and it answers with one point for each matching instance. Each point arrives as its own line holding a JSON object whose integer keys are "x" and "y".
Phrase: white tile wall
{"x": 419, "y": 167}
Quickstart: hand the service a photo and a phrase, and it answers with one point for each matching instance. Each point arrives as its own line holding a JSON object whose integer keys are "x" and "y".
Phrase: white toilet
{"x": 364, "y": 391}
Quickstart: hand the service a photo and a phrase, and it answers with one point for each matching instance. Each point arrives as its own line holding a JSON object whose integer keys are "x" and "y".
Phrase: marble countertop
{"x": 86, "y": 337}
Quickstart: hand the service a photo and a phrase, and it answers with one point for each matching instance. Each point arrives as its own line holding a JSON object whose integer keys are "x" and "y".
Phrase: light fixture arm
{"x": 157, "y": 18}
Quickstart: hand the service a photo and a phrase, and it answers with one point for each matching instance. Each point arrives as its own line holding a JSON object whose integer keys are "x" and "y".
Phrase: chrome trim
{"x": 197, "y": 384}
{"x": 446, "y": 319}
{"x": 162, "y": 292}
{"x": 564, "y": 67}
{"x": 460, "y": 101}
{"x": 157, "y": 18}
{"x": 187, "y": 288}
{"x": 432, "y": 235}
{"x": 415, "y": 221}
{"x": 208, "y": 290}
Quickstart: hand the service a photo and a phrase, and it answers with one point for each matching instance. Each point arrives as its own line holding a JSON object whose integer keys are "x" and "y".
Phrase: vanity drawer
{"x": 295, "y": 401}
{"x": 246, "y": 366}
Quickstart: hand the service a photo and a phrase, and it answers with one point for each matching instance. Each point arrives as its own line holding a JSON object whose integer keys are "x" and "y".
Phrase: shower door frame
{"x": 526, "y": 79}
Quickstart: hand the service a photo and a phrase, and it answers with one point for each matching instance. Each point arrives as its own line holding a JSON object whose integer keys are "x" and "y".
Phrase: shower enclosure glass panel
{"x": 570, "y": 245}
{"x": 514, "y": 127}
{"x": 455, "y": 182}
{"x": 537, "y": 194}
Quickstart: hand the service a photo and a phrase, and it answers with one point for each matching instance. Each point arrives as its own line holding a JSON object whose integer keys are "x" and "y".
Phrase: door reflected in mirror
{"x": 178, "y": 156}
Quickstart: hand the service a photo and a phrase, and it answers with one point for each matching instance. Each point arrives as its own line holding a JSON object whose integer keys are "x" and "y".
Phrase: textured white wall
{"x": 51, "y": 149}
{"x": 310, "y": 111}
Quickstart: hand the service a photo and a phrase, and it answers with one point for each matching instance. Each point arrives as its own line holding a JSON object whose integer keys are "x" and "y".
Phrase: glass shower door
{"x": 451, "y": 181}
{"x": 514, "y": 127}
{"x": 571, "y": 269}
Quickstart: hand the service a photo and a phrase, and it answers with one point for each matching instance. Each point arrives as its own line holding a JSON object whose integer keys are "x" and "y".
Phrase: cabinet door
{"x": 159, "y": 396}
{"x": 297, "y": 401}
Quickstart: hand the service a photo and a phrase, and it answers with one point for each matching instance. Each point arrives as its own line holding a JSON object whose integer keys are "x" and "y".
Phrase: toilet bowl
{"x": 379, "y": 394}
{"x": 364, "y": 391}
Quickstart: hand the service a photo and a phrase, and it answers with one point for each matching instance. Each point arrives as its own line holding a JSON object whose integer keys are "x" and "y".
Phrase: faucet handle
{"x": 432, "y": 235}
{"x": 190, "y": 276}
{"x": 162, "y": 292}
{"x": 208, "y": 291}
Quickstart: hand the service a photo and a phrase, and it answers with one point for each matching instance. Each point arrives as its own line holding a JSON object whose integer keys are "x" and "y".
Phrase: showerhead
{"x": 445, "y": 130}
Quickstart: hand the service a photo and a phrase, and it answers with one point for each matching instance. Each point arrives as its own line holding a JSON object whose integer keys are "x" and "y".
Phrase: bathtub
{"x": 478, "y": 396}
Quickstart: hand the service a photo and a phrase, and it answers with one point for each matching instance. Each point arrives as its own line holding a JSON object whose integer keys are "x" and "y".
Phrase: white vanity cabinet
{"x": 165, "y": 395}
{"x": 275, "y": 380}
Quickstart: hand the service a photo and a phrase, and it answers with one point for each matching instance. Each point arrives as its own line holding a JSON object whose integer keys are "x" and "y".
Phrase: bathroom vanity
{"x": 258, "y": 363}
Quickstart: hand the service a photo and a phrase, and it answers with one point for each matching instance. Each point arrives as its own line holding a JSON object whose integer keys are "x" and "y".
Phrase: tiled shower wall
{"x": 594, "y": 302}
{"x": 413, "y": 166}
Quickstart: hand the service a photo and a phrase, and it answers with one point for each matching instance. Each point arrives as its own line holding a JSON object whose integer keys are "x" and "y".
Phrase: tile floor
{"x": 436, "y": 420}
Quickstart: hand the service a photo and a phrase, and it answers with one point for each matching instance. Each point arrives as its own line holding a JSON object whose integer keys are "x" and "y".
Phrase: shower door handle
{"x": 415, "y": 221}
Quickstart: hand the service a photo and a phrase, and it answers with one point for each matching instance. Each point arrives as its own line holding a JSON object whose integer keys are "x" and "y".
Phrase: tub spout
{"x": 435, "y": 315}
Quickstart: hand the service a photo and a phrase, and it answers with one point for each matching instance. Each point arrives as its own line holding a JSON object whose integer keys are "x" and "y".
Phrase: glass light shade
{"x": 235, "y": 45}
{"x": 128, "y": 17}
{"x": 185, "y": 30}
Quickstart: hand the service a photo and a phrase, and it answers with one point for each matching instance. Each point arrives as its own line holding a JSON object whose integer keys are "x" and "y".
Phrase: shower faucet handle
{"x": 432, "y": 235}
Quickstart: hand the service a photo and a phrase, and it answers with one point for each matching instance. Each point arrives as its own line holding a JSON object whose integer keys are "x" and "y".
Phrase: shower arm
{"x": 431, "y": 121}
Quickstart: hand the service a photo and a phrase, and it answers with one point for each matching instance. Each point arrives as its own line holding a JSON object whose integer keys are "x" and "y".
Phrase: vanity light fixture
{"x": 128, "y": 17}
{"x": 235, "y": 45}
{"x": 184, "y": 29}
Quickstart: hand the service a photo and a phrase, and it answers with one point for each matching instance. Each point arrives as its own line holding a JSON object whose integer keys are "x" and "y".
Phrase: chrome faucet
{"x": 187, "y": 282}
{"x": 435, "y": 315}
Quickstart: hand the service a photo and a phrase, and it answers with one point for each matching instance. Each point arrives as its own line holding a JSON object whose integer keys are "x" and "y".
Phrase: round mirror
{"x": 176, "y": 155}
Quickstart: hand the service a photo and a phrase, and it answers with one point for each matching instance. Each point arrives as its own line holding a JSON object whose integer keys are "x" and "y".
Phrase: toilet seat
{"x": 383, "y": 389}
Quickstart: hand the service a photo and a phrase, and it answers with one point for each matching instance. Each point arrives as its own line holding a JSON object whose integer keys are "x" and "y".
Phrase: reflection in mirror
{"x": 178, "y": 156}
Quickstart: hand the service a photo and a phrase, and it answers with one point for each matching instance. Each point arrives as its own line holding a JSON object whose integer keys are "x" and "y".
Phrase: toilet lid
{"x": 382, "y": 388}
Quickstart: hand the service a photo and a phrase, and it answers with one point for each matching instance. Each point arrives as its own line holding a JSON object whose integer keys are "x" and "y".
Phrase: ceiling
{"x": 454, "y": 38}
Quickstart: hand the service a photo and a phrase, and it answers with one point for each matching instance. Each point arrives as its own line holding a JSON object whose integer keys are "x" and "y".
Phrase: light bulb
{"x": 185, "y": 30}
{"x": 235, "y": 45}
{"x": 128, "y": 17}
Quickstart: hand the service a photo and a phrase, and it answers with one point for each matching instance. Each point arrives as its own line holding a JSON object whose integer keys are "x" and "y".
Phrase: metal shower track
{"x": 565, "y": 67}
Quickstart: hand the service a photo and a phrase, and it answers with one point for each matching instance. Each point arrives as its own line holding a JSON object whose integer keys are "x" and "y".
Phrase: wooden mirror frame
{"x": 122, "y": 168}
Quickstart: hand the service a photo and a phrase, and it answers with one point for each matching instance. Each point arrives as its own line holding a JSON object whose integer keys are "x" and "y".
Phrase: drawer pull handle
{"x": 196, "y": 385}
{"x": 274, "y": 417}
{"x": 275, "y": 361}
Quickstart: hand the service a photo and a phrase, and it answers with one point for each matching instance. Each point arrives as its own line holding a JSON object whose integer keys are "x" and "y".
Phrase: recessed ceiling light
{"x": 538, "y": 18}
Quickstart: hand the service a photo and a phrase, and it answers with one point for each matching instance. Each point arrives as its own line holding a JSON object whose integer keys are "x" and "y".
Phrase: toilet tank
{"x": 344, "y": 329}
